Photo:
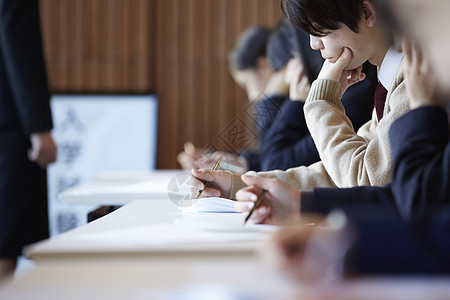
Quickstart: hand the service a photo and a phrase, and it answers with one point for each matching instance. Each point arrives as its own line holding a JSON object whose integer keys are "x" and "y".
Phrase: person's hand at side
{"x": 298, "y": 81}
{"x": 277, "y": 85}
{"x": 335, "y": 70}
{"x": 280, "y": 205}
{"x": 218, "y": 183}
{"x": 313, "y": 253}
{"x": 189, "y": 157}
{"x": 419, "y": 80}
{"x": 43, "y": 148}
{"x": 230, "y": 162}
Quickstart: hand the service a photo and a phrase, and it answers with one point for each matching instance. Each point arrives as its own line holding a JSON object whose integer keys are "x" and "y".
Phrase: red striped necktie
{"x": 380, "y": 99}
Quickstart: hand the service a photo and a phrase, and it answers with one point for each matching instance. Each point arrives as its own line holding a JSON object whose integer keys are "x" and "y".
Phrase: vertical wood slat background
{"x": 175, "y": 48}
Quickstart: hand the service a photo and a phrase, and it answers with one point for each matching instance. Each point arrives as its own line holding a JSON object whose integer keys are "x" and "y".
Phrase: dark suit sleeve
{"x": 358, "y": 100}
{"x": 287, "y": 143}
{"x": 385, "y": 244}
{"x": 21, "y": 48}
{"x": 324, "y": 200}
{"x": 421, "y": 151}
{"x": 266, "y": 111}
{"x": 253, "y": 160}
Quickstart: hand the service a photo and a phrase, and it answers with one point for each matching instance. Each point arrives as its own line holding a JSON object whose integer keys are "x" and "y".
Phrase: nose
{"x": 315, "y": 42}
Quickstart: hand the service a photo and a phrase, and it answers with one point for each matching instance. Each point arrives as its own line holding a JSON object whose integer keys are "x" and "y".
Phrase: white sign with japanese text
{"x": 97, "y": 133}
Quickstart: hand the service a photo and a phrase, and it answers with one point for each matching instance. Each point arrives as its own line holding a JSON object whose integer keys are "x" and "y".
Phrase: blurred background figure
{"x": 250, "y": 68}
{"x": 26, "y": 146}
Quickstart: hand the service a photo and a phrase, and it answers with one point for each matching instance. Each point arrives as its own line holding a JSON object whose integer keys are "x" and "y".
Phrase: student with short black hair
{"x": 288, "y": 143}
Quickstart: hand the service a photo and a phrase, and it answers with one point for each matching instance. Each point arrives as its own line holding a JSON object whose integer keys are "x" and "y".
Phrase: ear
{"x": 369, "y": 13}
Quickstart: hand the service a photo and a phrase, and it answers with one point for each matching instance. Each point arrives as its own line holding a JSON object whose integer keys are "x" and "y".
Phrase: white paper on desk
{"x": 211, "y": 205}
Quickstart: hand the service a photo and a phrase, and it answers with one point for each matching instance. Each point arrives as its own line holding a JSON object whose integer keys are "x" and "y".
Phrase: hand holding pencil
{"x": 211, "y": 183}
{"x": 213, "y": 168}
{"x": 269, "y": 201}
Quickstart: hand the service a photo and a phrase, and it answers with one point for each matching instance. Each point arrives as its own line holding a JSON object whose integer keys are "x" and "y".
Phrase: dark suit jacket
{"x": 24, "y": 109}
{"x": 24, "y": 95}
{"x": 404, "y": 227}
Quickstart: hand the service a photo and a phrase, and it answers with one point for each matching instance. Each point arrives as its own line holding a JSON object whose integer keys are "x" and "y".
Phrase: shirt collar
{"x": 389, "y": 67}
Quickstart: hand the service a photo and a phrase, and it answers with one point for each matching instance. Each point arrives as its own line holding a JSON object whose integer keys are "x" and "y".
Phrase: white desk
{"x": 151, "y": 229}
{"x": 121, "y": 188}
{"x": 200, "y": 279}
{"x": 72, "y": 266}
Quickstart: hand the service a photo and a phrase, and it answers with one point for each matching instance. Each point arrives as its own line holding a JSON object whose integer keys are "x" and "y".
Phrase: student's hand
{"x": 298, "y": 81}
{"x": 277, "y": 85}
{"x": 189, "y": 157}
{"x": 43, "y": 148}
{"x": 336, "y": 71}
{"x": 312, "y": 253}
{"x": 219, "y": 183}
{"x": 187, "y": 160}
{"x": 230, "y": 162}
{"x": 280, "y": 205}
{"x": 419, "y": 80}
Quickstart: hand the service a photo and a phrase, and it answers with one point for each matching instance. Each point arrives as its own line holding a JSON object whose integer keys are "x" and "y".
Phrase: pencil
{"x": 257, "y": 203}
{"x": 214, "y": 167}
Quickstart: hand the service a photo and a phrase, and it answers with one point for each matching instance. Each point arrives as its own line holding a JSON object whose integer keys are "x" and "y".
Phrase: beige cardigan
{"x": 347, "y": 158}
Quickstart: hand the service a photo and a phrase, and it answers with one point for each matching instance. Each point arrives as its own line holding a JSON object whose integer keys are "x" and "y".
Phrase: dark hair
{"x": 279, "y": 47}
{"x": 250, "y": 46}
{"x": 319, "y": 17}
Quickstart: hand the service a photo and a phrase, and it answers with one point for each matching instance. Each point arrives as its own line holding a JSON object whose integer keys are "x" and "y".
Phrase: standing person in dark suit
{"x": 26, "y": 146}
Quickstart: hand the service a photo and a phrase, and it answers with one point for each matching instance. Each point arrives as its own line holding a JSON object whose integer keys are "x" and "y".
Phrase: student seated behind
{"x": 347, "y": 35}
{"x": 404, "y": 227}
{"x": 250, "y": 67}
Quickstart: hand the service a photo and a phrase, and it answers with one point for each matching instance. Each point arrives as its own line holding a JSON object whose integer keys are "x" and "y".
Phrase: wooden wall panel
{"x": 176, "y": 48}
{"x": 97, "y": 46}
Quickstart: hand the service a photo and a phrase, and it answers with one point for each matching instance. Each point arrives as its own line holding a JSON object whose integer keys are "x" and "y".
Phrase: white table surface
{"x": 119, "y": 188}
{"x": 73, "y": 267}
{"x": 153, "y": 229}
{"x": 203, "y": 278}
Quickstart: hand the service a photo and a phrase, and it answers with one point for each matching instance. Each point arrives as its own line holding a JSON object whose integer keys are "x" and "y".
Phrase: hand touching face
{"x": 297, "y": 80}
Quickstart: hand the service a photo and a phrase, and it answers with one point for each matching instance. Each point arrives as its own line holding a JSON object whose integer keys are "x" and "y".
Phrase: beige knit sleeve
{"x": 299, "y": 178}
{"x": 350, "y": 158}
